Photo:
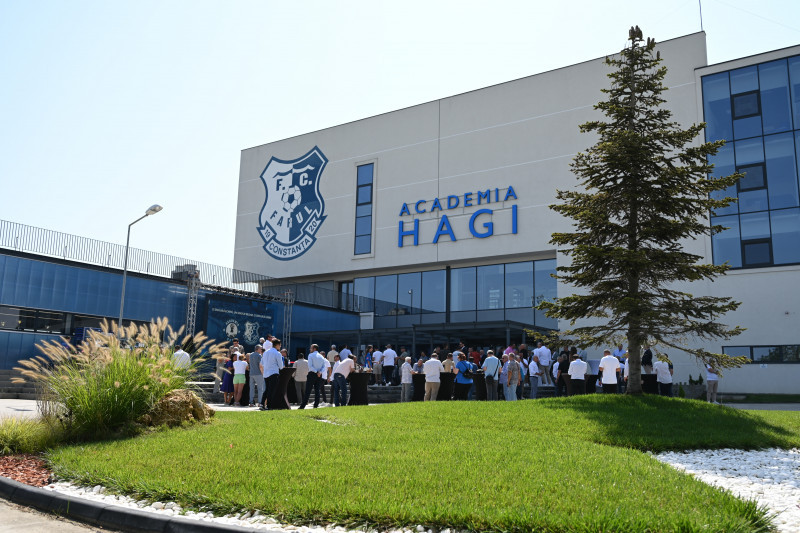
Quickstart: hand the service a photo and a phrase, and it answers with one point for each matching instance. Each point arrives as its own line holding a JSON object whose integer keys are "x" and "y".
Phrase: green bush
{"x": 20, "y": 435}
{"x": 104, "y": 386}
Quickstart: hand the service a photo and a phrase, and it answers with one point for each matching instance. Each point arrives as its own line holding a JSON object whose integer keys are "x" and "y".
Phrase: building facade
{"x": 437, "y": 215}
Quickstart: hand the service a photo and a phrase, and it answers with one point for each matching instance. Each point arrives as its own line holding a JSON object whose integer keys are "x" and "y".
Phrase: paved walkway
{"x": 17, "y": 519}
{"x": 18, "y": 408}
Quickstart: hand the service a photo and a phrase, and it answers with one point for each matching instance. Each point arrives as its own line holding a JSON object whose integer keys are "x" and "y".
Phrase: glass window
{"x": 462, "y": 289}
{"x": 744, "y": 80}
{"x": 774, "y": 85}
{"x": 363, "y": 236}
{"x": 490, "y": 287}
{"x": 364, "y": 289}
{"x": 409, "y": 293}
{"x": 10, "y": 317}
{"x": 751, "y": 201}
{"x": 726, "y": 244}
{"x": 755, "y": 226}
{"x": 786, "y": 236}
{"x": 781, "y": 171}
{"x": 724, "y": 165}
{"x": 749, "y": 152}
{"x": 434, "y": 291}
{"x": 544, "y": 285}
{"x": 746, "y": 105}
{"x": 737, "y": 351}
{"x": 766, "y": 353}
{"x": 519, "y": 284}
{"x": 83, "y": 321}
{"x": 794, "y": 77}
{"x": 386, "y": 295}
{"x": 363, "y": 226}
{"x": 754, "y": 177}
{"x": 51, "y": 322}
{"x": 757, "y": 253}
{"x": 365, "y": 194}
{"x": 717, "y": 107}
{"x": 365, "y": 174}
{"x": 363, "y": 245}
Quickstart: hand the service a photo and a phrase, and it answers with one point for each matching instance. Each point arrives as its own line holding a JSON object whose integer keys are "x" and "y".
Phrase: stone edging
{"x": 104, "y": 515}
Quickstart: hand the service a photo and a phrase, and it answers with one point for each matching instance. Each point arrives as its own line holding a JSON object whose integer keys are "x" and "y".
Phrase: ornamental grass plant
{"x": 106, "y": 384}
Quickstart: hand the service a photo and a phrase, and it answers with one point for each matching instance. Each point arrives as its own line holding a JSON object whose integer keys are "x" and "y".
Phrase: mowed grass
{"x": 571, "y": 464}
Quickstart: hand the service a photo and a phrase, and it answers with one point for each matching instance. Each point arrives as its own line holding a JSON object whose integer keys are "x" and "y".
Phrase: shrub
{"x": 21, "y": 435}
{"x": 106, "y": 384}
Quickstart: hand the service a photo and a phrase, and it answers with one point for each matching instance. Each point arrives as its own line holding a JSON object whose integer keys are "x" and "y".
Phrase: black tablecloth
{"x": 591, "y": 383}
{"x": 358, "y": 388}
{"x": 447, "y": 380}
{"x": 285, "y": 376}
{"x": 649, "y": 384}
{"x": 419, "y": 387}
{"x": 479, "y": 380}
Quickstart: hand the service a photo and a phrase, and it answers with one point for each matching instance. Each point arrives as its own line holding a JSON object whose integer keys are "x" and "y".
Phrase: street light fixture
{"x": 411, "y": 301}
{"x": 152, "y": 210}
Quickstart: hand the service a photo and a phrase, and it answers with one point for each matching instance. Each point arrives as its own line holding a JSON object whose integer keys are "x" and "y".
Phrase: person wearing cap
{"x": 577, "y": 374}
{"x": 332, "y": 353}
{"x": 389, "y": 357}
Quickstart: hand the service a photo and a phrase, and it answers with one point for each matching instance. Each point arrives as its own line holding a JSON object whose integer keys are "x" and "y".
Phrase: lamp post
{"x": 411, "y": 301}
{"x": 155, "y": 208}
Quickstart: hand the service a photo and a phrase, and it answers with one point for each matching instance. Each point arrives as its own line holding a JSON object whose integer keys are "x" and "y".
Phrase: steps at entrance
{"x": 15, "y": 391}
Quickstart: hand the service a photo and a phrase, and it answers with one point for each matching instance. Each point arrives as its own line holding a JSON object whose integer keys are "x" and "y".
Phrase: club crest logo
{"x": 293, "y": 209}
{"x": 250, "y": 332}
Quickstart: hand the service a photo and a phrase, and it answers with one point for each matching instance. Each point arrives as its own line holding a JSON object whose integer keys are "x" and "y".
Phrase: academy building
{"x": 432, "y": 222}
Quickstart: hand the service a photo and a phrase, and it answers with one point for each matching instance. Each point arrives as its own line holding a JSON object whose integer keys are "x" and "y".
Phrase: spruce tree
{"x": 644, "y": 188}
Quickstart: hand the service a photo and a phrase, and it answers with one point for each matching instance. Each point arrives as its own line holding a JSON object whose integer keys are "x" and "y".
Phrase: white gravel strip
{"x": 254, "y": 520}
{"x": 770, "y": 477}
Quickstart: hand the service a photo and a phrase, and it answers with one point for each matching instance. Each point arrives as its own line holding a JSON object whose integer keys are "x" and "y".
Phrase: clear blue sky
{"x": 108, "y": 107}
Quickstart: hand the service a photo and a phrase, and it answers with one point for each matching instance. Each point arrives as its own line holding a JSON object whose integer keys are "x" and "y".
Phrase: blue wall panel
{"x": 15, "y": 346}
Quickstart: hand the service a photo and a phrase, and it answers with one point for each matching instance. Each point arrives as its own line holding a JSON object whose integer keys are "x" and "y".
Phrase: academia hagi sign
{"x": 293, "y": 208}
{"x": 480, "y": 223}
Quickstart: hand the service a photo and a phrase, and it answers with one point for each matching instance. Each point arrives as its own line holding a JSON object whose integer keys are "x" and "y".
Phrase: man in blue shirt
{"x": 271, "y": 364}
{"x": 316, "y": 364}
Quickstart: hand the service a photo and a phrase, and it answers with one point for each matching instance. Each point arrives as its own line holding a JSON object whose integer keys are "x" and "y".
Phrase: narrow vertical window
{"x": 364, "y": 183}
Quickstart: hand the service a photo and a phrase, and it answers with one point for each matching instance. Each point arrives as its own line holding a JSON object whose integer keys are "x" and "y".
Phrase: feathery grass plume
{"x": 107, "y": 383}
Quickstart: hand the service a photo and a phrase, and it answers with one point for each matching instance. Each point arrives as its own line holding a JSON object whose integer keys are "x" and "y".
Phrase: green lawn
{"x": 573, "y": 464}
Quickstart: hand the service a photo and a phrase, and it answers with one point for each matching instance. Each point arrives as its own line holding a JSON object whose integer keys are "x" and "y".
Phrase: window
{"x": 386, "y": 295}
{"x": 746, "y": 105}
{"x": 757, "y": 253}
{"x": 434, "y": 291}
{"x": 519, "y": 285}
{"x": 755, "y": 177}
{"x": 490, "y": 287}
{"x": 787, "y": 353}
{"x": 462, "y": 289}
{"x": 364, "y": 184}
{"x": 346, "y": 296}
{"x": 364, "y": 289}
{"x": 408, "y": 293}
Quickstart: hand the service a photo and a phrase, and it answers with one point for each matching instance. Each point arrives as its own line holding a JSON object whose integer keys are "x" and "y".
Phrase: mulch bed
{"x": 25, "y": 468}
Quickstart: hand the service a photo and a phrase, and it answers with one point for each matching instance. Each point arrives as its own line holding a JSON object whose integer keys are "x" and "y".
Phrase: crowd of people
{"x": 511, "y": 374}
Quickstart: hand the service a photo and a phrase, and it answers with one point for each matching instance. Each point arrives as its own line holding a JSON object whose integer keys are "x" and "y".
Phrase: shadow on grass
{"x": 655, "y": 423}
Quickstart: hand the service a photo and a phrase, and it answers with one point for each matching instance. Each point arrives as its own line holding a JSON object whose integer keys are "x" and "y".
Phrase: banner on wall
{"x": 238, "y": 318}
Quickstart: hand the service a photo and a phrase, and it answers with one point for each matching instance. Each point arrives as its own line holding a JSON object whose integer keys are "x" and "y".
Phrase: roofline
{"x": 459, "y": 94}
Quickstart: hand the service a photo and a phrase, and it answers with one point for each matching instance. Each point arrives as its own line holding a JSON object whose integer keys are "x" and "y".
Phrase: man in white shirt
{"x": 389, "y": 356}
{"x": 712, "y": 382}
{"x": 609, "y": 366}
{"x": 316, "y": 365}
{"x": 340, "y": 373}
{"x": 491, "y": 367}
{"x": 300, "y": 377}
{"x": 663, "y": 371}
{"x": 406, "y": 381}
{"x": 332, "y": 353}
{"x": 577, "y": 375}
{"x": 181, "y": 359}
{"x": 432, "y": 369}
{"x": 545, "y": 358}
{"x": 377, "y": 366}
{"x": 271, "y": 364}
{"x": 326, "y": 377}
{"x": 534, "y": 371}
{"x": 266, "y": 343}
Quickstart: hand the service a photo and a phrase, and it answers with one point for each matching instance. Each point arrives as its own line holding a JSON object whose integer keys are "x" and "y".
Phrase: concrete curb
{"x": 107, "y": 516}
